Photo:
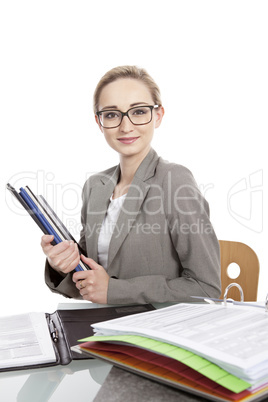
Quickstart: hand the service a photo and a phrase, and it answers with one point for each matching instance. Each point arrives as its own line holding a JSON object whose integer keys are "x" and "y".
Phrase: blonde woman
{"x": 145, "y": 225}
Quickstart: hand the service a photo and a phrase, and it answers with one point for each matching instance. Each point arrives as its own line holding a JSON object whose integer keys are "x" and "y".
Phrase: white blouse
{"x": 107, "y": 228}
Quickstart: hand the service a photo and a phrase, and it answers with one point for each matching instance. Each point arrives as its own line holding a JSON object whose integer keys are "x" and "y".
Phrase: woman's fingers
{"x": 63, "y": 257}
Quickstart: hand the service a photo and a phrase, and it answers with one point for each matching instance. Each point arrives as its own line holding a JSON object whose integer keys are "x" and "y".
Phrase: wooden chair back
{"x": 246, "y": 258}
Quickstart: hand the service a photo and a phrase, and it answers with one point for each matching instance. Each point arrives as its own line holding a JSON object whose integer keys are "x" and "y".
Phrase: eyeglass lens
{"x": 137, "y": 115}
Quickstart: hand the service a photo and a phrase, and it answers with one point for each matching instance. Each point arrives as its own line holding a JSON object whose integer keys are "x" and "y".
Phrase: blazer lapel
{"x": 133, "y": 202}
{"x": 130, "y": 209}
{"x": 97, "y": 207}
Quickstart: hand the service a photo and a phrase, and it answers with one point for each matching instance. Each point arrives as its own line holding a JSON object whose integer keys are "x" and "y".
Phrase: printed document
{"x": 25, "y": 340}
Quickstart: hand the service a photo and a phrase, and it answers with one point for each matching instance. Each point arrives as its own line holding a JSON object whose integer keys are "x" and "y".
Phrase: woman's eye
{"x": 138, "y": 112}
{"x": 110, "y": 115}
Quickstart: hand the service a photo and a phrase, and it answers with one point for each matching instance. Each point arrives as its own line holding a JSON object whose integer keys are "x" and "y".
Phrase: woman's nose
{"x": 126, "y": 125}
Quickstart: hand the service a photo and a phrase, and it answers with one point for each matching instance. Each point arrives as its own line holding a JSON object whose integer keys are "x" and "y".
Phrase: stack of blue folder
{"x": 45, "y": 218}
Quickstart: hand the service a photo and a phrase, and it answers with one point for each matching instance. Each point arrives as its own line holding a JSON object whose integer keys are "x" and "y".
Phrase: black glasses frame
{"x": 123, "y": 114}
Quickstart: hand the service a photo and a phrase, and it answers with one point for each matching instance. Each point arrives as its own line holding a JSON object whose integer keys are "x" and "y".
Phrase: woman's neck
{"x": 128, "y": 167}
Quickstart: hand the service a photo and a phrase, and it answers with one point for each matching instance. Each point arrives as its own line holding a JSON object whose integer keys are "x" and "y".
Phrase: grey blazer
{"x": 163, "y": 247}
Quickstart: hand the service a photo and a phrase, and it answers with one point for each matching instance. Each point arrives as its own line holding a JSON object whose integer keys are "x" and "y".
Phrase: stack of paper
{"x": 44, "y": 217}
{"x": 216, "y": 351}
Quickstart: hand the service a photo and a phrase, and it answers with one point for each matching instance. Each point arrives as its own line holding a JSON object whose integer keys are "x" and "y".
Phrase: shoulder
{"x": 174, "y": 173}
{"x": 180, "y": 191}
{"x": 99, "y": 178}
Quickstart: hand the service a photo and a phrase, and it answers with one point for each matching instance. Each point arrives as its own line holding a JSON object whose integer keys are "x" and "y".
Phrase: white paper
{"x": 25, "y": 340}
{"x": 234, "y": 337}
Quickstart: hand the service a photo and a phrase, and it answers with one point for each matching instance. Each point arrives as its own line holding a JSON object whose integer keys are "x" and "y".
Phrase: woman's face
{"x": 129, "y": 139}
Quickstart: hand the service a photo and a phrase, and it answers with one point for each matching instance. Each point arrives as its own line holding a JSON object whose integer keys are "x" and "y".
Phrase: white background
{"x": 210, "y": 61}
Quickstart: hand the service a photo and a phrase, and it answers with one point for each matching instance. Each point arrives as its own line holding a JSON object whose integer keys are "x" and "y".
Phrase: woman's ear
{"x": 97, "y": 121}
{"x": 159, "y": 116}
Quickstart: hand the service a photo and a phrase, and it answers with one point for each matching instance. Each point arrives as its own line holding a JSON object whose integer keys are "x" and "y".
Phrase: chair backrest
{"x": 246, "y": 258}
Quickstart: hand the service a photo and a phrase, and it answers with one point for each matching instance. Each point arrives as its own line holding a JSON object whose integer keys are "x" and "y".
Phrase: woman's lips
{"x": 127, "y": 140}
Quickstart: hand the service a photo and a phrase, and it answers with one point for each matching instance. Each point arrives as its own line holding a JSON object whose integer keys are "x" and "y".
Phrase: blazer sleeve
{"x": 196, "y": 245}
{"x": 63, "y": 284}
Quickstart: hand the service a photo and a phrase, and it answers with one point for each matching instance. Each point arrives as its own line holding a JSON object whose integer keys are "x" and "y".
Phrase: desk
{"x": 79, "y": 381}
{"x": 123, "y": 386}
{"x": 85, "y": 381}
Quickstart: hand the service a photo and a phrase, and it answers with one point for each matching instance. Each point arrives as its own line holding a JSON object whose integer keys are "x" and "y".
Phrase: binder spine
{"x": 60, "y": 342}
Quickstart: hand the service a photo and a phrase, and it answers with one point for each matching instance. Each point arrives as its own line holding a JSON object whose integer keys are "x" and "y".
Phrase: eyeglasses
{"x": 137, "y": 115}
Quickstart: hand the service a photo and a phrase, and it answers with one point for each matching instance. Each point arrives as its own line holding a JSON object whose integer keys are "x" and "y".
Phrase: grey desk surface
{"x": 78, "y": 381}
{"x": 122, "y": 386}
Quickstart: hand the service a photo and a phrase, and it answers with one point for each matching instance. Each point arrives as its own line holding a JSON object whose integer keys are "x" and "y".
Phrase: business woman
{"x": 145, "y": 225}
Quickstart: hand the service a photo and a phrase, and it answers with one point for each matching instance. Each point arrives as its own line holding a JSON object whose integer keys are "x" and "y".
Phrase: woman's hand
{"x": 92, "y": 284}
{"x": 63, "y": 257}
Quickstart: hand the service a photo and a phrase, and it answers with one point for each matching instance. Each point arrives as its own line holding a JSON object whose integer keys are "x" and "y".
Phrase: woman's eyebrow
{"x": 109, "y": 107}
{"x": 139, "y": 103}
{"x": 131, "y": 105}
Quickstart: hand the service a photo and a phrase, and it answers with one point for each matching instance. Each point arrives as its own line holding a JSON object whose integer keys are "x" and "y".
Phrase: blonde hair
{"x": 127, "y": 72}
